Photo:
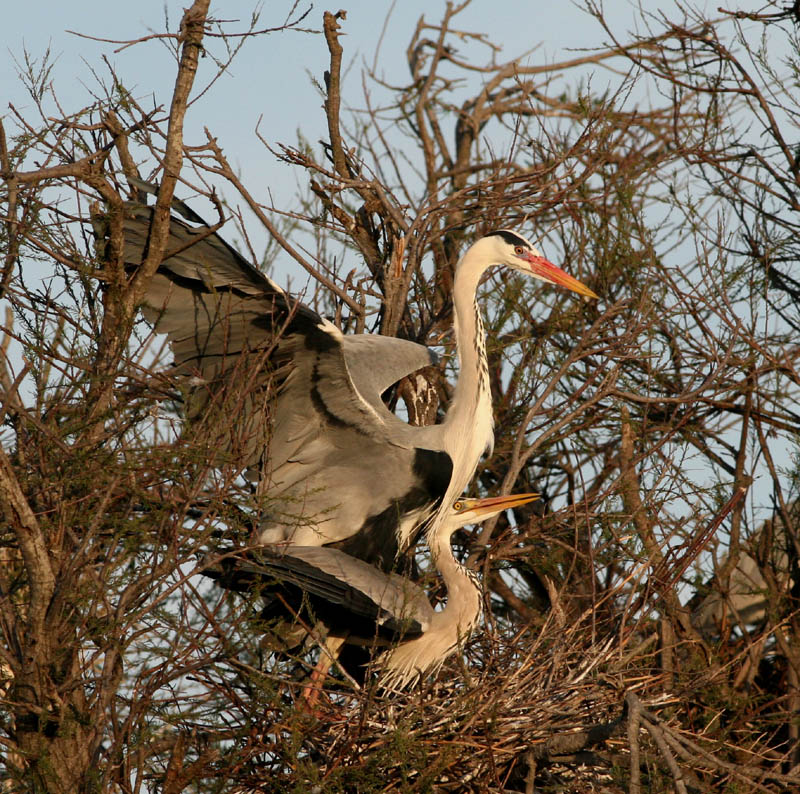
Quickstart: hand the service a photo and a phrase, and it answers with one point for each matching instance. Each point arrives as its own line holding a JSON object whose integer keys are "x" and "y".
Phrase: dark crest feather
{"x": 511, "y": 238}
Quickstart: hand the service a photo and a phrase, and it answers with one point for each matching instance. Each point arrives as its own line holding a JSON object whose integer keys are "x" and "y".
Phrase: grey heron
{"x": 745, "y": 601}
{"x": 361, "y": 605}
{"x": 336, "y": 466}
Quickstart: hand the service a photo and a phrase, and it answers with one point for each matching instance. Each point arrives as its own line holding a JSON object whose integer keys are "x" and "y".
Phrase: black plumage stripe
{"x": 376, "y": 541}
{"x": 511, "y": 238}
{"x": 319, "y": 404}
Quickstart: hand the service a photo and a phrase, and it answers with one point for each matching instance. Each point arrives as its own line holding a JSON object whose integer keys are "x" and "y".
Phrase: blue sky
{"x": 270, "y": 77}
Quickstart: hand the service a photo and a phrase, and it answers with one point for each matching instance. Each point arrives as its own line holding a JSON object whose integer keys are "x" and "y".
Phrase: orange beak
{"x": 547, "y": 271}
{"x": 494, "y": 504}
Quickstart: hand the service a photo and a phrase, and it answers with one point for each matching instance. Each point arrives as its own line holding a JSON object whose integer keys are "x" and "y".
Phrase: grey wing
{"x": 196, "y": 253}
{"x": 389, "y": 600}
{"x": 343, "y": 467}
{"x": 213, "y": 304}
{"x": 222, "y": 317}
{"x": 745, "y": 599}
{"x": 330, "y": 401}
{"x": 378, "y": 362}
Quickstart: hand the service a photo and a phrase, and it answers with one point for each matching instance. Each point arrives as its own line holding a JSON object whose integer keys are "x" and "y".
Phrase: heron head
{"x": 515, "y": 251}
{"x": 473, "y": 511}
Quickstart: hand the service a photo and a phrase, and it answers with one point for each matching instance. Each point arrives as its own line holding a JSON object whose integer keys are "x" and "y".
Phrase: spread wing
{"x": 228, "y": 323}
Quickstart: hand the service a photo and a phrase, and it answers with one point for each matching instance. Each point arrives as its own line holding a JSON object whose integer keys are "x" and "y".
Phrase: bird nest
{"x": 565, "y": 708}
{"x": 481, "y": 730}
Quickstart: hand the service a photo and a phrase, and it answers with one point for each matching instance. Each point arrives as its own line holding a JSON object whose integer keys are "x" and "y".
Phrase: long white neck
{"x": 469, "y": 422}
{"x": 464, "y": 603}
{"x": 448, "y": 628}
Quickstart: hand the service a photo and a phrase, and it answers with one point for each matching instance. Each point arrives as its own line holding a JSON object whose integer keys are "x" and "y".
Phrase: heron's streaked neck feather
{"x": 463, "y": 608}
{"x": 448, "y": 628}
{"x": 470, "y": 417}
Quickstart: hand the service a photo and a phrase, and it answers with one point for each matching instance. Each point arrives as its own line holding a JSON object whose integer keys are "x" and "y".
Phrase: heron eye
{"x": 519, "y": 250}
{"x": 458, "y": 506}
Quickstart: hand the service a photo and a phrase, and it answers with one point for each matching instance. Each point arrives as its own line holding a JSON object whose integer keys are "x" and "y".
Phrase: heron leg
{"x": 313, "y": 689}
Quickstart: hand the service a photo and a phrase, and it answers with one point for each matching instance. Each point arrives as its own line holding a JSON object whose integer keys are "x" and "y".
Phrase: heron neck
{"x": 463, "y": 608}
{"x": 470, "y": 416}
{"x": 447, "y": 629}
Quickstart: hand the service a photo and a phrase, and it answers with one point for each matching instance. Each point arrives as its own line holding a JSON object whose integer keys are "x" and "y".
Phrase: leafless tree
{"x": 649, "y": 422}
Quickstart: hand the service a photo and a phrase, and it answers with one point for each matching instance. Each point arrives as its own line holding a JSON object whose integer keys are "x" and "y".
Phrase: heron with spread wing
{"x": 341, "y": 469}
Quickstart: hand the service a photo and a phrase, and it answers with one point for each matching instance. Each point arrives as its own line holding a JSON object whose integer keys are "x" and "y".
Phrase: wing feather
{"x": 389, "y": 600}
{"x": 216, "y": 308}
